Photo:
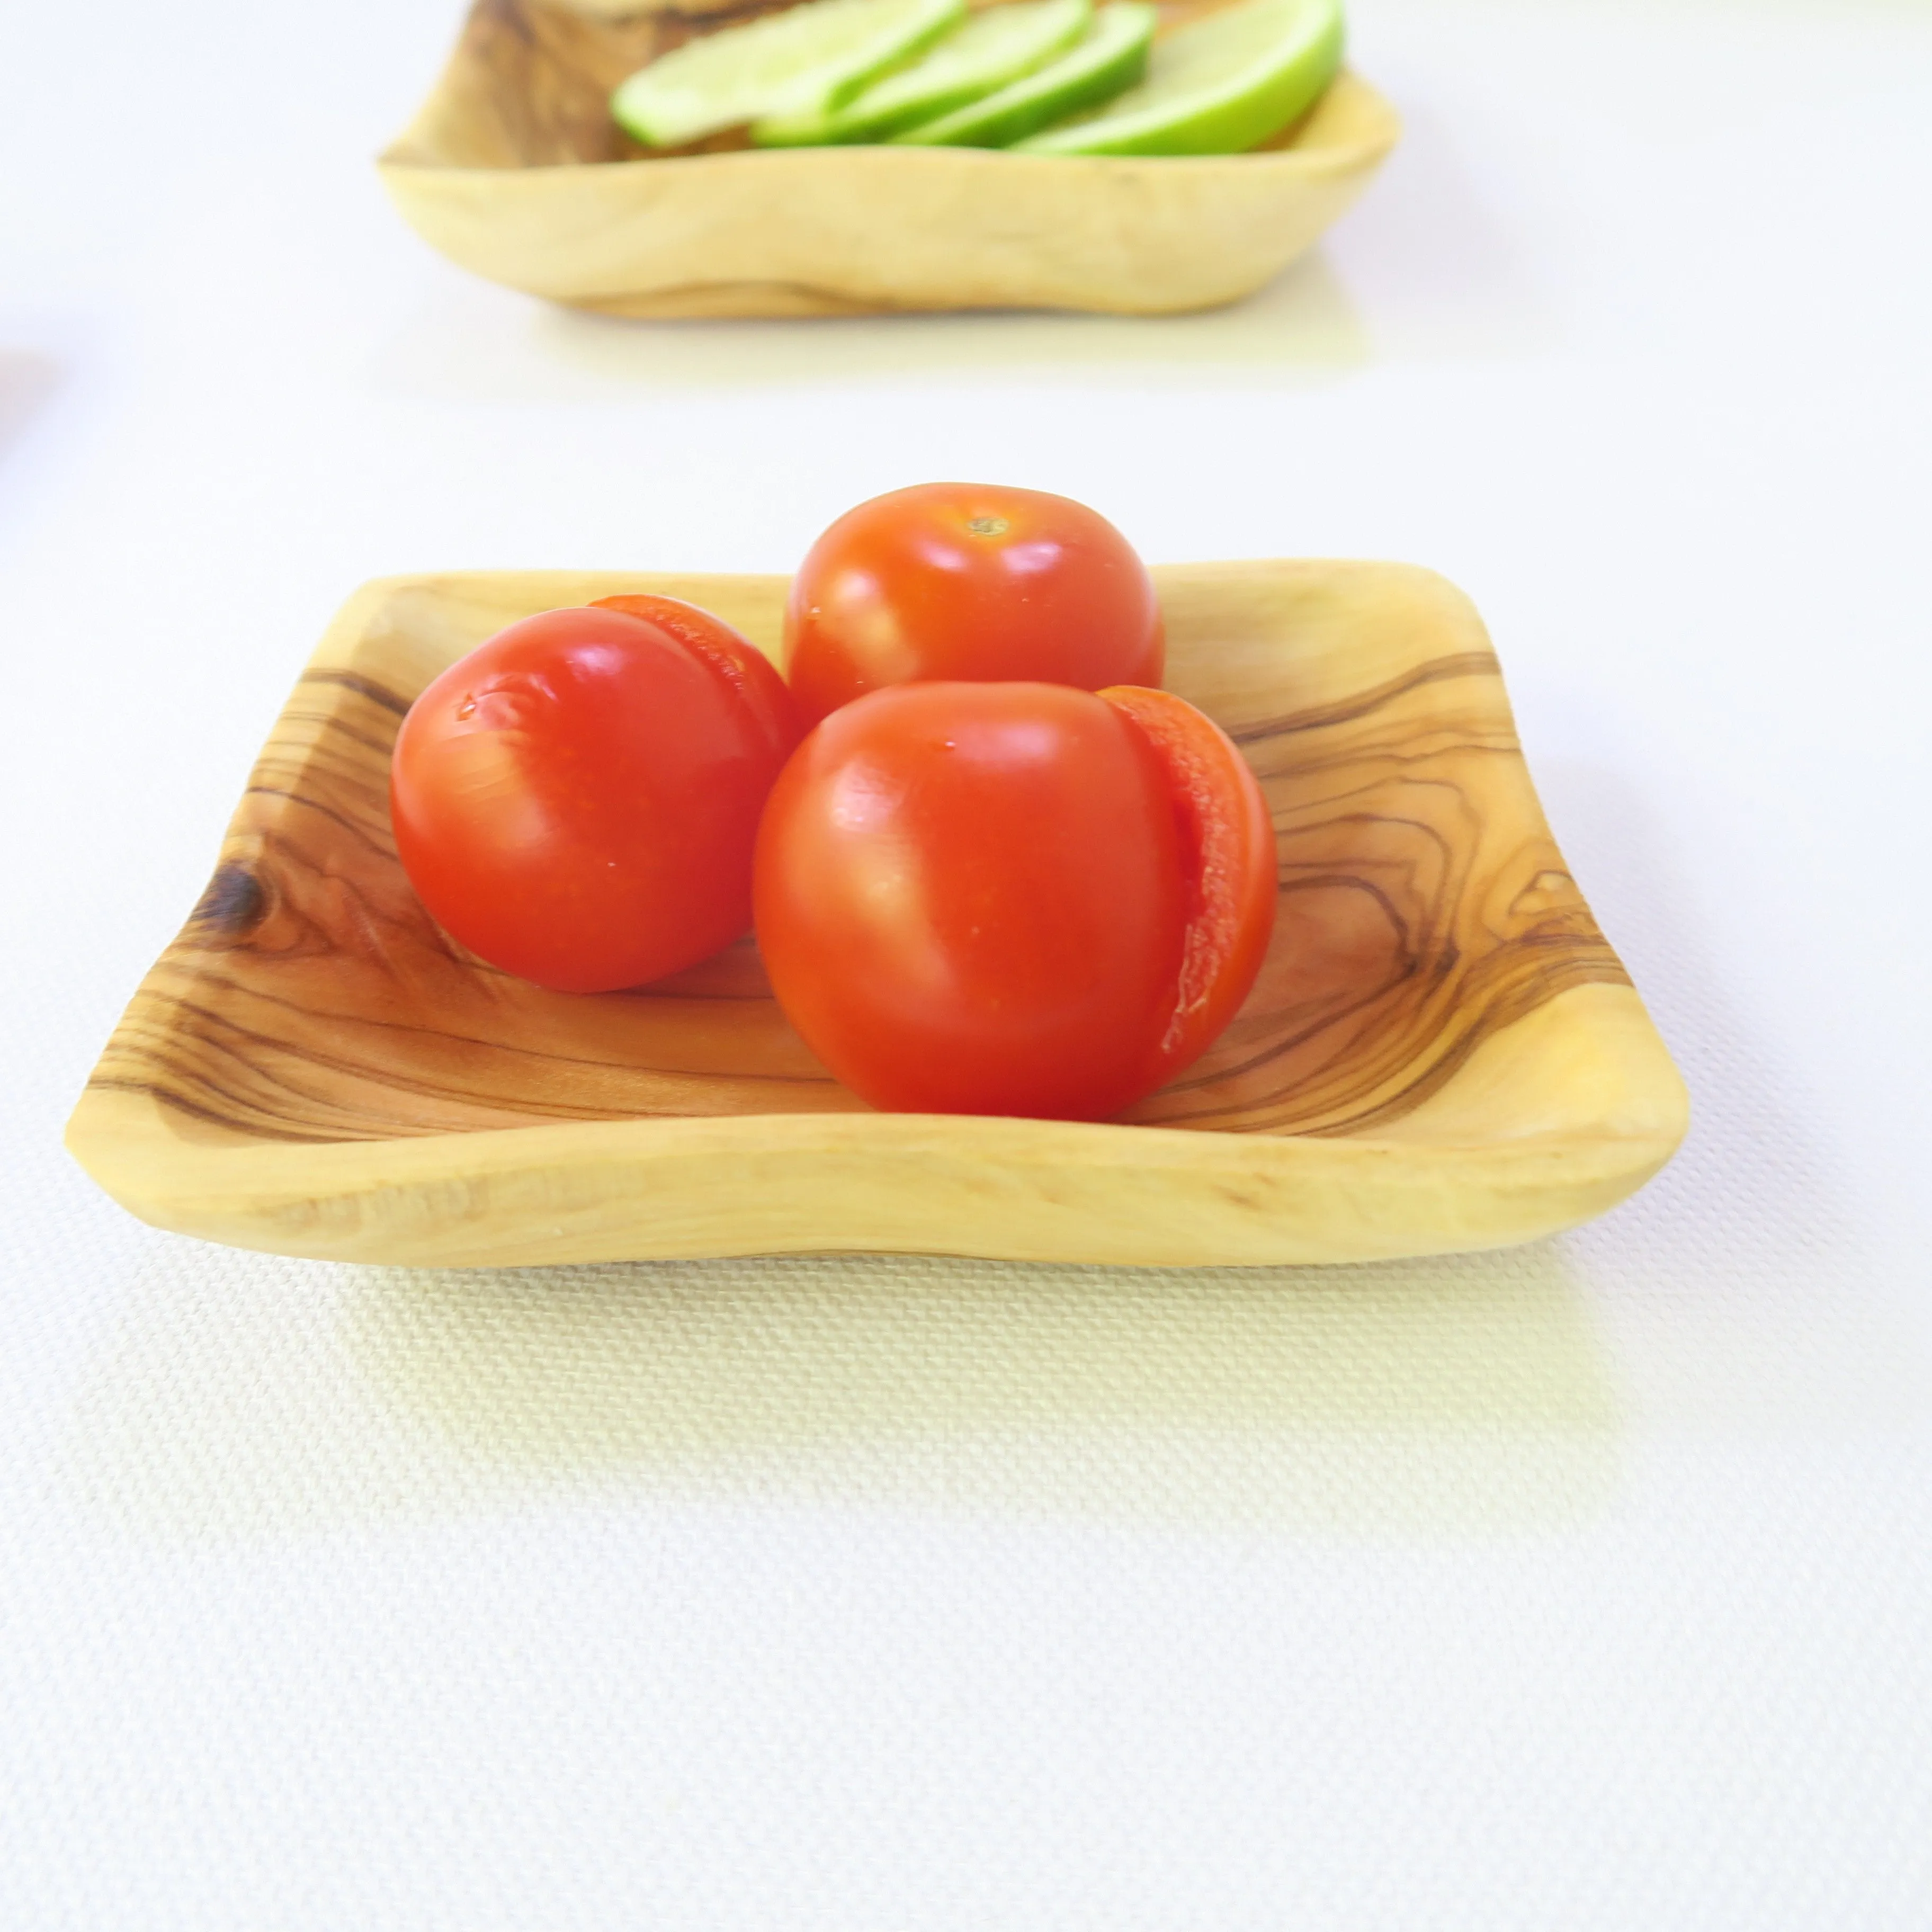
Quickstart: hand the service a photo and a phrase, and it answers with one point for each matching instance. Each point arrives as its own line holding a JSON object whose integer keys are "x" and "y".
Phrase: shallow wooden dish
{"x": 1442, "y": 1052}
{"x": 514, "y": 169}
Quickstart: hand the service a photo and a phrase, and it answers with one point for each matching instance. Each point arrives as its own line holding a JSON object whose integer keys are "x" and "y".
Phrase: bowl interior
{"x": 1424, "y": 905}
{"x": 529, "y": 82}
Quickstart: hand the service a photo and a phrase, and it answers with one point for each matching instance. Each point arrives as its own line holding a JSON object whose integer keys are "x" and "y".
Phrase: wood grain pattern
{"x": 1441, "y": 1051}
{"x": 513, "y": 168}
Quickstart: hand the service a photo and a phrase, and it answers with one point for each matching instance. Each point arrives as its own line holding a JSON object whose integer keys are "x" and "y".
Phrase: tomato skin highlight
{"x": 953, "y": 581}
{"x": 752, "y": 675}
{"x": 576, "y": 800}
{"x": 987, "y": 898}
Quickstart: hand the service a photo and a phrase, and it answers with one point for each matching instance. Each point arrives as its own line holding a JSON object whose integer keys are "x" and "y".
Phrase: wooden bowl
{"x": 515, "y": 169}
{"x": 1442, "y": 1051}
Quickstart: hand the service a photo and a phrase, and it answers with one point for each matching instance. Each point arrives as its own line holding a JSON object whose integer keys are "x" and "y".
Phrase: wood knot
{"x": 235, "y": 901}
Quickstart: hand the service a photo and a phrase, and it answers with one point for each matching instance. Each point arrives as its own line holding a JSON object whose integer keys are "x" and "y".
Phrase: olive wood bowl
{"x": 513, "y": 168}
{"x": 1441, "y": 1052}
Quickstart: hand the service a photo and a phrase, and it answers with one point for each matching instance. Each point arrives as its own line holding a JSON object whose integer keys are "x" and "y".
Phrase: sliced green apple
{"x": 994, "y": 47}
{"x": 1216, "y": 87}
{"x": 1112, "y": 55}
{"x": 804, "y": 61}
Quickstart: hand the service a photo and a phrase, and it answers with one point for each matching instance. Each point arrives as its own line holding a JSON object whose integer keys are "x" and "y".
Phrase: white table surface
{"x": 1587, "y": 1585}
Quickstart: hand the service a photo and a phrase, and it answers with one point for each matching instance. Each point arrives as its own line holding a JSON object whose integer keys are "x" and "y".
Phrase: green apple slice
{"x": 1216, "y": 87}
{"x": 1112, "y": 55}
{"x": 803, "y": 61}
{"x": 994, "y": 47}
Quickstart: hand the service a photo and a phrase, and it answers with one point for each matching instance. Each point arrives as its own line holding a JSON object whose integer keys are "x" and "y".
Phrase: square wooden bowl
{"x": 515, "y": 169}
{"x": 1442, "y": 1051}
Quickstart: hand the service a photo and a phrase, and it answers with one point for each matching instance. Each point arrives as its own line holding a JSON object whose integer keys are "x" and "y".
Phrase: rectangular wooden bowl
{"x": 1442, "y": 1051}
{"x": 514, "y": 169}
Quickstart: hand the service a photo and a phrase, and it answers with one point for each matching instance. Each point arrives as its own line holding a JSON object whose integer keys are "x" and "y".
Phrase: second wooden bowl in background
{"x": 514, "y": 169}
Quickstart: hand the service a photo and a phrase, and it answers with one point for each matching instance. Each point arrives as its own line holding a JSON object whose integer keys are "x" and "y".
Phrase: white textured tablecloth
{"x": 1585, "y": 1586}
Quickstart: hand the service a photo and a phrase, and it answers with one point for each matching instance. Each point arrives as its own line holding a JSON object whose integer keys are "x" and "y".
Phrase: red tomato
{"x": 576, "y": 800}
{"x": 1013, "y": 898}
{"x": 967, "y": 581}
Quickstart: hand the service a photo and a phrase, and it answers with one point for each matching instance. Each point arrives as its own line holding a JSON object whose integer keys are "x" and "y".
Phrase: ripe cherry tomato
{"x": 1013, "y": 898}
{"x": 576, "y": 800}
{"x": 967, "y": 581}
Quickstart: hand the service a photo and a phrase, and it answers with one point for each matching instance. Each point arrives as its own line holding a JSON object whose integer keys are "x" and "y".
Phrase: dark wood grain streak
{"x": 363, "y": 687}
{"x": 1438, "y": 670}
{"x": 1423, "y": 907}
